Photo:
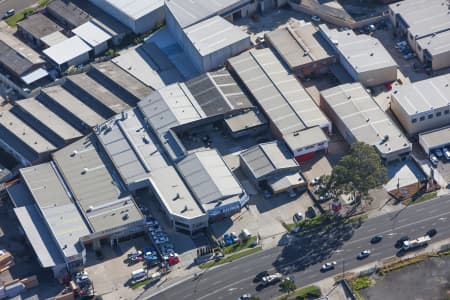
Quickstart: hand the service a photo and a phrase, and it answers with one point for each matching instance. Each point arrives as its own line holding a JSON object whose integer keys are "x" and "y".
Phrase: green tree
{"x": 361, "y": 170}
{"x": 288, "y": 286}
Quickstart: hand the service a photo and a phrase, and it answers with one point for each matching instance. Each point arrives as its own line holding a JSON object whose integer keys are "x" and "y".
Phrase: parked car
{"x": 446, "y": 153}
{"x": 173, "y": 260}
{"x": 363, "y": 254}
{"x": 325, "y": 197}
{"x": 315, "y": 181}
{"x": 432, "y": 232}
{"x": 438, "y": 153}
{"x": 234, "y": 237}
{"x": 310, "y": 212}
{"x": 297, "y": 217}
{"x": 376, "y": 239}
{"x": 315, "y": 18}
{"x": 245, "y": 297}
{"x": 401, "y": 44}
{"x": 433, "y": 159}
{"x": 328, "y": 266}
{"x": 9, "y": 13}
{"x": 409, "y": 55}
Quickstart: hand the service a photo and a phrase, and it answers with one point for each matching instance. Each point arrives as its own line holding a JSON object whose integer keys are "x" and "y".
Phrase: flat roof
{"x": 214, "y": 34}
{"x": 174, "y": 193}
{"x": 134, "y": 9}
{"x": 13, "y": 60}
{"x": 130, "y": 147}
{"x": 24, "y": 133}
{"x": 361, "y": 115}
{"x": 68, "y": 11}
{"x": 38, "y": 25}
{"x": 99, "y": 192}
{"x": 208, "y": 177}
{"x": 245, "y": 121}
{"x": 34, "y": 76}
{"x": 67, "y": 50}
{"x": 299, "y": 43}
{"x": 218, "y": 93}
{"x": 436, "y": 138}
{"x": 363, "y": 52}
{"x": 305, "y": 138}
{"x": 436, "y": 43}
{"x": 423, "y": 96}
{"x": 39, "y": 236}
{"x": 56, "y": 205}
{"x": 52, "y": 121}
{"x": 123, "y": 79}
{"x": 73, "y": 105}
{"x": 267, "y": 158}
{"x": 106, "y": 97}
{"x": 423, "y": 16}
{"x": 279, "y": 93}
{"x": 54, "y": 38}
{"x": 20, "y": 47}
{"x": 91, "y": 34}
{"x": 191, "y": 12}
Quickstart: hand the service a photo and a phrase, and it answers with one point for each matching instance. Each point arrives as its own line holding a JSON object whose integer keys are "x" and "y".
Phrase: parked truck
{"x": 416, "y": 243}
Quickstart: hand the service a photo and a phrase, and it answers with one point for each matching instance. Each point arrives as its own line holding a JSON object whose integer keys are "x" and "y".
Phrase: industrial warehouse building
{"x": 362, "y": 56}
{"x": 212, "y": 184}
{"x": 67, "y": 13}
{"x": 435, "y": 139}
{"x": 36, "y": 27}
{"x": 359, "y": 119}
{"x": 282, "y": 98}
{"x": 302, "y": 48}
{"x": 271, "y": 165}
{"x": 70, "y": 52}
{"x": 140, "y": 16}
{"x": 426, "y": 26}
{"x": 423, "y": 105}
{"x": 94, "y": 36}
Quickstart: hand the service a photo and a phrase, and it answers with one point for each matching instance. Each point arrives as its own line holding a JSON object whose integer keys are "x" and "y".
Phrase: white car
{"x": 315, "y": 18}
{"x": 328, "y": 266}
{"x": 446, "y": 153}
{"x": 434, "y": 160}
{"x": 271, "y": 279}
{"x": 298, "y": 217}
{"x": 363, "y": 254}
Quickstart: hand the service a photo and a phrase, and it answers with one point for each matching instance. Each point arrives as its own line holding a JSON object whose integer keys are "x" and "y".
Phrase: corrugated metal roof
{"x": 39, "y": 25}
{"x": 91, "y": 34}
{"x": 67, "y": 50}
{"x": 134, "y": 9}
{"x": 208, "y": 177}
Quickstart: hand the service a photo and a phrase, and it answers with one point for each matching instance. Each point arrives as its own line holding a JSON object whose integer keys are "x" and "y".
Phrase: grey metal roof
{"x": 67, "y": 50}
{"x": 208, "y": 177}
{"x": 363, "y": 52}
{"x": 57, "y": 207}
{"x": 174, "y": 193}
{"x": 80, "y": 110}
{"x": 22, "y": 48}
{"x": 81, "y": 84}
{"x": 267, "y": 158}
{"x": 122, "y": 78}
{"x": 39, "y": 25}
{"x": 134, "y": 9}
{"x": 99, "y": 191}
{"x": 49, "y": 119}
{"x": 280, "y": 95}
{"x": 299, "y": 44}
{"x": 216, "y": 33}
{"x": 436, "y": 138}
{"x": 130, "y": 147}
{"x": 13, "y": 61}
{"x": 190, "y": 12}
{"x": 305, "y": 138}
{"x": 423, "y": 17}
{"x": 54, "y": 38}
{"x": 69, "y": 12}
{"x": 436, "y": 43}
{"x": 367, "y": 122}
{"x": 39, "y": 236}
{"x": 424, "y": 96}
{"x": 24, "y": 133}
{"x": 218, "y": 93}
{"x": 245, "y": 121}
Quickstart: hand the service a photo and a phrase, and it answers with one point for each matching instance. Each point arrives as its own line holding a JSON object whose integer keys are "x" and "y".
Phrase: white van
{"x": 245, "y": 234}
{"x": 138, "y": 275}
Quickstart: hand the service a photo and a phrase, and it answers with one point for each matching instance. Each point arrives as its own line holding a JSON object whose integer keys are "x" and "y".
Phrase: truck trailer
{"x": 416, "y": 243}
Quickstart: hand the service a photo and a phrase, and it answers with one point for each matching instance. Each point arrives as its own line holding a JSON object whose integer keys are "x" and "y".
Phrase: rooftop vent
{"x": 125, "y": 217}
{"x": 73, "y": 153}
{"x": 84, "y": 171}
{"x": 177, "y": 196}
{"x": 371, "y": 54}
{"x": 90, "y": 208}
{"x": 295, "y": 133}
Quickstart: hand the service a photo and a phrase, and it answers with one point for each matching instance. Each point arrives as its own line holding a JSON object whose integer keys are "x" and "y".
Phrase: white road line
{"x": 372, "y": 229}
{"x": 420, "y": 209}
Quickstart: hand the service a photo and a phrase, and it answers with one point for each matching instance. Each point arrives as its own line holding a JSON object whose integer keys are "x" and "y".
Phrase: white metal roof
{"x": 367, "y": 122}
{"x": 91, "y": 34}
{"x": 423, "y": 96}
{"x": 214, "y": 34}
{"x": 67, "y": 50}
{"x": 135, "y": 9}
{"x": 435, "y": 138}
{"x": 34, "y": 76}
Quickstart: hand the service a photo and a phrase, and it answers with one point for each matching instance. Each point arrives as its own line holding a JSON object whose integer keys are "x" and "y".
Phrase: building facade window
{"x": 414, "y": 120}
{"x": 438, "y": 114}
{"x": 430, "y": 116}
{"x": 446, "y": 112}
{"x": 422, "y": 118}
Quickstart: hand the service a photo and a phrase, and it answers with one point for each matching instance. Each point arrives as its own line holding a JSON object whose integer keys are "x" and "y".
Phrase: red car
{"x": 389, "y": 86}
{"x": 173, "y": 260}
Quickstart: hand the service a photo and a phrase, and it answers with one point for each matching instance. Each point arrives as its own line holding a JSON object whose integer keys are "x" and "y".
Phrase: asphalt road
{"x": 18, "y": 5}
{"x": 304, "y": 256}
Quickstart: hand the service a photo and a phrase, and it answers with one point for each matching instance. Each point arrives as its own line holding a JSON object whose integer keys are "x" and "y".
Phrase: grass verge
{"x": 19, "y": 16}
{"x": 229, "y": 258}
{"x": 356, "y": 218}
{"x": 422, "y": 198}
{"x": 305, "y": 224}
{"x": 239, "y": 246}
{"x": 141, "y": 283}
{"x": 307, "y": 292}
{"x": 404, "y": 263}
{"x": 360, "y": 283}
